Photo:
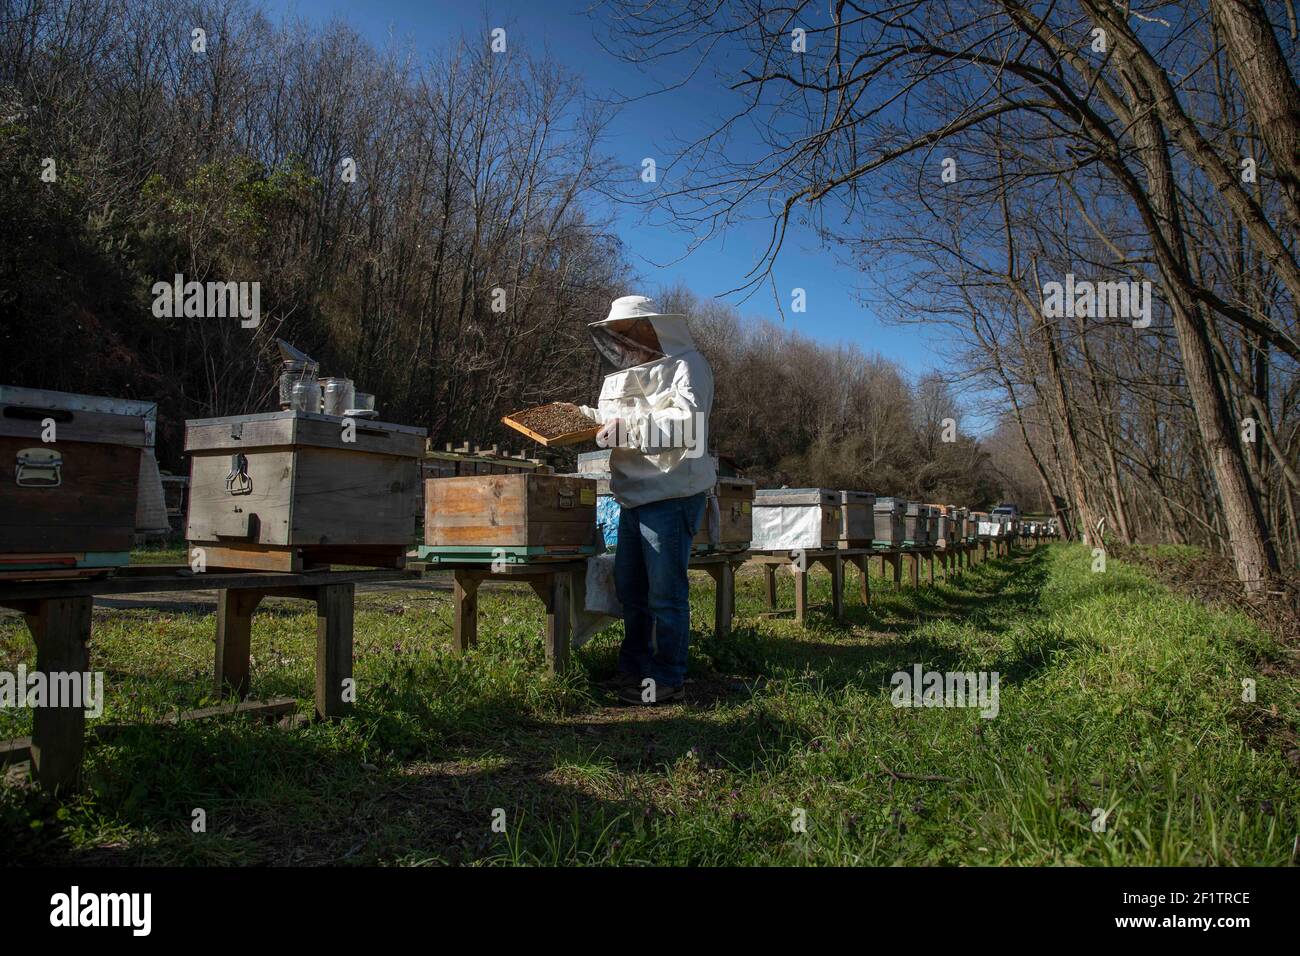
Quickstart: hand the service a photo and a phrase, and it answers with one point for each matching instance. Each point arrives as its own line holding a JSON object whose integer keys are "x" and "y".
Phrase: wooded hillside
{"x": 474, "y": 172}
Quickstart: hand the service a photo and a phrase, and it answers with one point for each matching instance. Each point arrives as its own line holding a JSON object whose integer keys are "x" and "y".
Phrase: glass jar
{"x": 306, "y": 397}
{"x": 338, "y": 395}
{"x": 291, "y": 373}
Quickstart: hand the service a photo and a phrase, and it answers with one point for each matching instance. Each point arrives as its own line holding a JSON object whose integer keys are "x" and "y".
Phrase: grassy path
{"x": 1115, "y": 696}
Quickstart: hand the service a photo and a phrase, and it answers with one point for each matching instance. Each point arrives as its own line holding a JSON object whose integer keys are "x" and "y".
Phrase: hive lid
{"x": 858, "y": 498}
{"x": 83, "y": 418}
{"x": 744, "y": 486}
{"x": 294, "y": 428}
{"x": 771, "y": 497}
{"x": 890, "y": 504}
{"x": 601, "y": 478}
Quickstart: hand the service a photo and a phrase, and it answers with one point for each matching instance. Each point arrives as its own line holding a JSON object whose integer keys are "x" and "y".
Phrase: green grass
{"x": 1114, "y": 695}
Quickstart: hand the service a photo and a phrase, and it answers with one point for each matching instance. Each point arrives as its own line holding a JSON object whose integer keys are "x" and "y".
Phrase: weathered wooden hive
{"x": 938, "y": 524}
{"x": 916, "y": 525}
{"x": 730, "y": 531}
{"x": 858, "y": 520}
{"x": 965, "y": 527}
{"x": 290, "y": 490}
{"x": 889, "y": 522}
{"x": 735, "y": 518}
{"x": 512, "y": 518}
{"x": 69, "y": 508}
{"x": 787, "y": 519}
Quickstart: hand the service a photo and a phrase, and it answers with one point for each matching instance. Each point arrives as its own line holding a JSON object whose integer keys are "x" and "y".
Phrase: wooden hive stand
{"x": 58, "y": 614}
{"x": 800, "y": 563}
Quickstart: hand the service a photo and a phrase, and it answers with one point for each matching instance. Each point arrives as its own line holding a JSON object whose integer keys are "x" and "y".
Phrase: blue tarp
{"x": 607, "y": 512}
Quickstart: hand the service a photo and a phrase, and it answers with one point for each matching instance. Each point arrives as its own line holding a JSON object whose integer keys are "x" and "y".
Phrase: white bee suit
{"x": 664, "y": 405}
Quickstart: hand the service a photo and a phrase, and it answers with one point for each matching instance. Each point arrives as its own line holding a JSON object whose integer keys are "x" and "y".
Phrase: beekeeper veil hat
{"x": 636, "y": 332}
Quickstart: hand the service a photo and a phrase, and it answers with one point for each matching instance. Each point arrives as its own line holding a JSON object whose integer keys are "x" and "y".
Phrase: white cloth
{"x": 594, "y": 603}
{"x": 664, "y": 406}
{"x": 786, "y": 528}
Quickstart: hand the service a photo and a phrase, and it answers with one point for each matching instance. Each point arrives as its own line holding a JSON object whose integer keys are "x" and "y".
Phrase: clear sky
{"x": 648, "y": 126}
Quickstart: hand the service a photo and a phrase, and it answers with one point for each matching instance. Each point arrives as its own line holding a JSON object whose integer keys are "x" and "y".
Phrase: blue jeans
{"x": 654, "y": 546}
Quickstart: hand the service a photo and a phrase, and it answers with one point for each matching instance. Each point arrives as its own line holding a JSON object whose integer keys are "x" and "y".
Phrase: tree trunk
{"x": 1269, "y": 88}
{"x": 1252, "y": 551}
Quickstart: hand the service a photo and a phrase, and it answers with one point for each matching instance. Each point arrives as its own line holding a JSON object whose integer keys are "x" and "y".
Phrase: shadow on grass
{"x": 441, "y": 745}
{"x": 312, "y": 796}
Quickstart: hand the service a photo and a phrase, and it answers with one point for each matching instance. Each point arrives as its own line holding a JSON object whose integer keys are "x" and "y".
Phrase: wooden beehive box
{"x": 284, "y": 491}
{"x": 515, "y": 518}
{"x": 889, "y": 530}
{"x": 941, "y": 529}
{"x": 857, "y": 519}
{"x": 787, "y": 519}
{"x": 735, "y": 517}
{"x": 916, "y": 525}
{"x": 69, "y": 505}
{"x": 963, "y": 524}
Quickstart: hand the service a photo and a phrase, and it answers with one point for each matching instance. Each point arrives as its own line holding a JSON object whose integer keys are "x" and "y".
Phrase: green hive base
{"x": 477, "y": 554}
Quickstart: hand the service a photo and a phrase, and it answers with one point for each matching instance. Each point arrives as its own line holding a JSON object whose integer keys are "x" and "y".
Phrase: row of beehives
{"x": 275, "y": 491}
{"x": 535, "y": 516}
{"x": 289, "y": 490}
{"x": 740, "y": 517}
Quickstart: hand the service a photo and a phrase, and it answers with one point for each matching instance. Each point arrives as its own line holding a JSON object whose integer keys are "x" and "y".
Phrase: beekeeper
{"x": 654, "y": 411}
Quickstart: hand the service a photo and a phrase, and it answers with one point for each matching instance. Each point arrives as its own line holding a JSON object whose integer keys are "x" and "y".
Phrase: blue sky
{"x": 647, "y": 127}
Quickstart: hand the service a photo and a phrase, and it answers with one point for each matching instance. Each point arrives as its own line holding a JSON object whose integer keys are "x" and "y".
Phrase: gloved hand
{"x": 590, "y": 412}
{"x": 611, "y": 434}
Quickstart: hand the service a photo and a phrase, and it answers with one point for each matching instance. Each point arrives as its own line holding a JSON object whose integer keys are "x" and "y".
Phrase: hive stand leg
{"x": 335, "y": 691}
{"x": 930, "y": 564}
{"x": 916, "y": 570}
{"x": 234, "y": 642}
{"x": 800, "y": 594}
{"x": 769, "y": 572}
{"x": 836, "y": 568}
{"x": 732, "y": 566}
{"x": 898, "y": 571}
{"x": 557, "y": 622}
{"x": 864, "y": 565}
{"x": 61, "y": 629}
{"x": 724, "y": 599}
{"x": 465, "y": 612}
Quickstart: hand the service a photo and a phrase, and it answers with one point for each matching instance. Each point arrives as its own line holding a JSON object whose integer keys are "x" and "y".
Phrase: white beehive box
{"x": 787, "y": 519}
